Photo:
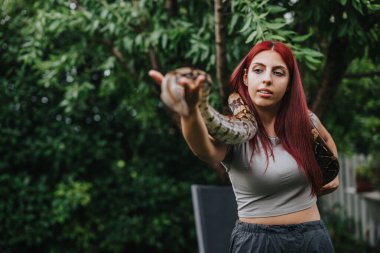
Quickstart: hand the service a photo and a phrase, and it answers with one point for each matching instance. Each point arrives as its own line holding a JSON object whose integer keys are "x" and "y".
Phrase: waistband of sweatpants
{"x": 261, "y": 228}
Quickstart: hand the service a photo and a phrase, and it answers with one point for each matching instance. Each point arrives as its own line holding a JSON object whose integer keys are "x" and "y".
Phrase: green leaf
{"x": 274, "y": 26}
{"x": 374, "y": 7}
{"x": 246, "y": 25}
{"x": 312, "y": 53}
{"x": 233, "y": 22}
{"x": 275, "y": 37}
{"x": 310, "y": 65}
{"x": 358, "y": 6}
{"x": 251, "y": 37}
{"x": 301, "y": 38}
{"x": 312, "y": 60}
{"x": 343, "y": 2}
{"x": 261, "y": 16}
{"x": 276, "y": 9}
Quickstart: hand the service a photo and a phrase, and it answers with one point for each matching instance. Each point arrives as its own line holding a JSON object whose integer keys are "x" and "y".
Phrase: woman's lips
{"x": 265, "y": 93}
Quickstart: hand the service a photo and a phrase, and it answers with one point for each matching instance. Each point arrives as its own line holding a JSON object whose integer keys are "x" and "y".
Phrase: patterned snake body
{"x": 239, "y": 128}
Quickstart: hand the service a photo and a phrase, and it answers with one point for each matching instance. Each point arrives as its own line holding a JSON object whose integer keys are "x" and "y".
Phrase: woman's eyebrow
{"x": 274, "y": 67}
{"x": 280, "y": 67}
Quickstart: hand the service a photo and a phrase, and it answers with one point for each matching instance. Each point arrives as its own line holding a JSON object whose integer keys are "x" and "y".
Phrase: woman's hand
{"x": 193, "y": 91}
{"x": 330, "y": 187}
{"x": 193, "y": 127}
{"x": 192, "y": 88}
{"x": 157, "y": 76}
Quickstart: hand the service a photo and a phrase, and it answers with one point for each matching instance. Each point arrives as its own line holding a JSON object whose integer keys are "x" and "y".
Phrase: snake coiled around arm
{"x": 240, "y": 127}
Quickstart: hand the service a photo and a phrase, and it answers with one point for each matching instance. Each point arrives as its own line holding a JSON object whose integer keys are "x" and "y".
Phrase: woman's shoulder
{"x": 314, "y": 119}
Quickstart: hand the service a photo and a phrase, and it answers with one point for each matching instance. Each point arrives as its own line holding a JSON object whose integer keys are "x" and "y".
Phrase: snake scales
{"x": 240, "y": 127}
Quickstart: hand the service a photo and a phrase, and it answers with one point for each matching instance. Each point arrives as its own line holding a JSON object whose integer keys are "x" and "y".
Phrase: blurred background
{"x": 92, "y": 161}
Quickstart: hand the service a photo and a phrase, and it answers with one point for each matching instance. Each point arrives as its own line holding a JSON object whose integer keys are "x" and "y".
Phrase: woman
{"x": 275, "y": 176}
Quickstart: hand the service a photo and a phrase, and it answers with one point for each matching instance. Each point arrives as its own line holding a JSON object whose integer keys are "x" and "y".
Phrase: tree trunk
{"x": 371, "y": 74}
{"x": 337, "y": 62}
{"x": 221, "y": 53}
{"x": 335, "y": 67}
{"x": 221, "y": 72}
{"x": 172, "y": 7}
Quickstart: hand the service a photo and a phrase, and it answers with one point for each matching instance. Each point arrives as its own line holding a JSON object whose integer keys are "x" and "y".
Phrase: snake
{"x": 239, "y": 127}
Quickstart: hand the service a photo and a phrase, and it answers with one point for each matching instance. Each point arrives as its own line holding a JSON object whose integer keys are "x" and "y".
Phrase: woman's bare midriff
{"x": 310, "y": 214}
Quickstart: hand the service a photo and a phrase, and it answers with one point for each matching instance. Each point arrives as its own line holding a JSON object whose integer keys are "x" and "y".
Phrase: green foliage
{"x": 354, "y": 121}
{"x": 24, "y": 210}
{"x": 363, "y": 172}
{"x": 90, "y": 160}
{"x": 68, "y": 197}
{"x": 374, "y": 166}
{"x": 264, "y": 21}
{"x": 342, "y": 229}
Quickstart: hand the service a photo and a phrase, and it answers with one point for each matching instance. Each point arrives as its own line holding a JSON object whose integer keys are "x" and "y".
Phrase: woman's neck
{"x": 268, "y": 119}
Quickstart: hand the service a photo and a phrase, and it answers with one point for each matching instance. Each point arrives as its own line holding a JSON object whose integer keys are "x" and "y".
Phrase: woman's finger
{"x": 199, "y": 81}
{"x": 157, "y": 76}
{"x": 186, "y": 83}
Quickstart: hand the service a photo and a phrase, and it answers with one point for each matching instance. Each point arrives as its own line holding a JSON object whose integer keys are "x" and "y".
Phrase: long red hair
{"x": 292, "y": 124}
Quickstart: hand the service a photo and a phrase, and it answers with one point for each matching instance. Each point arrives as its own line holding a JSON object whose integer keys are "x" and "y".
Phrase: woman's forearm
{"x": 196, "y": 135}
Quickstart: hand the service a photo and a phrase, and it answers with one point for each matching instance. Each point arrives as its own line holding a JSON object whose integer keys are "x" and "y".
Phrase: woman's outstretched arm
{"x": 200, "y": 142}
{"x": 193, "y": 127}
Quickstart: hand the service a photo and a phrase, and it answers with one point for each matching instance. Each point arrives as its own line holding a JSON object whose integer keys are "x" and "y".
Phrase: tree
{"x": 91, "y": 160}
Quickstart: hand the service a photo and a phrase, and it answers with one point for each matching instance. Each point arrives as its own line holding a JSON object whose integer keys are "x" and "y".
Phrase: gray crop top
{"x": 279, "y": 190}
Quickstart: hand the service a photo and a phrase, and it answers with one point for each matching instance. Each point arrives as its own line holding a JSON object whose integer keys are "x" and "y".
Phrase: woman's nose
{"x": 267, "y": 79}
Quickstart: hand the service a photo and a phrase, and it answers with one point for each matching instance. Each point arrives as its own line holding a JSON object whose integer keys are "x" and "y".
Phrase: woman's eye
{"x": 277, "y": 73}
{"x": 257, "y": 71}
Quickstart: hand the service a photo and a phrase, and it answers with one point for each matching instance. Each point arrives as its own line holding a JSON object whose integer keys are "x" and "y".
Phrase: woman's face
{"x": 267, "y": 79}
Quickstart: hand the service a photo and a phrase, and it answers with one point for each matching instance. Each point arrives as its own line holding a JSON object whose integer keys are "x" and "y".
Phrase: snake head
{"x": 173, "y": 94}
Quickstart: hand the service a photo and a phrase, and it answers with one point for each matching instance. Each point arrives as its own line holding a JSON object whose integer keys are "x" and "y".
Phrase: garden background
{"x": 92, "y": 161}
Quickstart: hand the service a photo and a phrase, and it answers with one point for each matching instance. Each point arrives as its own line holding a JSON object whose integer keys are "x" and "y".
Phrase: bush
{"x": 342, "y": 230}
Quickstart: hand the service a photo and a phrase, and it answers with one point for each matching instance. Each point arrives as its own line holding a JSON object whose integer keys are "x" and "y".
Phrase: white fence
{"x": 364, "y": 208}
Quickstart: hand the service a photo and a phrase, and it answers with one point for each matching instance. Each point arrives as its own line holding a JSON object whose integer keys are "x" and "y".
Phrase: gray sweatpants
{"x": 308, "y": 237}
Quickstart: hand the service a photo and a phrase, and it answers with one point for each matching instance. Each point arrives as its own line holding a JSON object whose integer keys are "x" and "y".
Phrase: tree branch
{"x": 153, "y": 59}
{"x": 375, "y": 73}
{"x": 172, "y": 7}
{"x": 369, "y": 21}
{"x": 119, "y": 56}
{"x": 221, "y": 59}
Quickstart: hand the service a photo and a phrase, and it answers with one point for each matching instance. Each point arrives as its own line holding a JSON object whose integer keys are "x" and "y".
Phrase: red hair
{"x": 292, "y": 124}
